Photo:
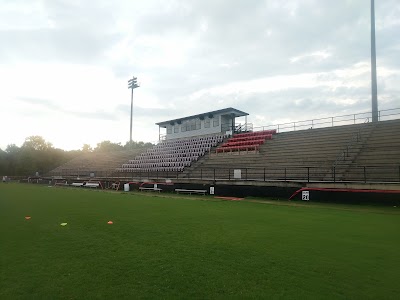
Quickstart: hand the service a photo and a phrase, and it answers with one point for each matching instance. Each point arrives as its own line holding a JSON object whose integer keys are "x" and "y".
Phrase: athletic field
{"x": 163, "y": 246}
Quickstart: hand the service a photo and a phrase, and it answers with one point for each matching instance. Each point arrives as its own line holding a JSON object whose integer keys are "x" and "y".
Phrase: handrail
{"x": 357, "y": 138}
{"x": 364, "y": 173}
{"x": 354, "y": 140}
{"x": 245, "y": 127}
{"x": 386, "y": 114}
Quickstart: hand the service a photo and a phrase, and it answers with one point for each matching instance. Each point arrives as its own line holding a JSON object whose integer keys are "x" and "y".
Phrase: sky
{"x": 64, "y": 65}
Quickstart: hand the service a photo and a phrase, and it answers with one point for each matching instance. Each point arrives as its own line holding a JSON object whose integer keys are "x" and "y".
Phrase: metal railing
{"x": 245, "y": 127}
{"x": 363, "y": 174}
{"x": 351, "y": 119}
{"x": 383, "y": 115}
{"x": 301, "y": 174}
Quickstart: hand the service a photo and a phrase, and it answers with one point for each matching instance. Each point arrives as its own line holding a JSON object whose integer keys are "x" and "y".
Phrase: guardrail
{"x": 383, "y": 115}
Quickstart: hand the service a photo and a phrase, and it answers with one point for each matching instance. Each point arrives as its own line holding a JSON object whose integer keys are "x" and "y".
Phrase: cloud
{"x": 278, "y": 60}
{"x": 316, "y": 55}
{"x": 49, "y": 45}
{"x": 52, "y": 106}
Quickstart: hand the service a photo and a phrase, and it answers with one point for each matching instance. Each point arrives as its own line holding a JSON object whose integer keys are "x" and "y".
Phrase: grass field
{"x": 181, "y": 247}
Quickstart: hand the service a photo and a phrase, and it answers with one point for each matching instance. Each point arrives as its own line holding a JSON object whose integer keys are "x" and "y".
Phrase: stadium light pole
{"x": 374, "y": 88}
{"x": 132, "y": 84}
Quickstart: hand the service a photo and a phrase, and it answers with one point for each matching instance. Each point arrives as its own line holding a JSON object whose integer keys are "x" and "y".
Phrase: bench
{"x": 150, "y": 189}
{"x": 92, "y": 185}
{"x": 185, "y": 191}
{"x": 77, "y": 184}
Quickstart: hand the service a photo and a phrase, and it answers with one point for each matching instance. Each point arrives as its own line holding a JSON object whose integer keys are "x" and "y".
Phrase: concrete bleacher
{"x": 359, "y": 152}
{"x": 289, "y": 155}
{"x": 100, "y": 163}
{"x": 384, "y": 142}
{"x": 379, "y": 157}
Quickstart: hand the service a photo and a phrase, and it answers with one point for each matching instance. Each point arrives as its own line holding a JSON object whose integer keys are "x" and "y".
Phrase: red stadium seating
{"x": 248, "y": 141}
{"x": 238, "y": 148}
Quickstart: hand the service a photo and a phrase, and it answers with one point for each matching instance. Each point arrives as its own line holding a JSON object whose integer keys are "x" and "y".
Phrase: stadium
{"x": 214, "y": 150}
{"x": 219, "y": 207}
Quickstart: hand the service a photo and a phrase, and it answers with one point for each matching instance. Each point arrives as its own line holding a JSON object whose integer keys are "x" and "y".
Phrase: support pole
{"x": 130, "y": 133}
{"x": 132, "y": 84}
{"x": 374, "y": 88}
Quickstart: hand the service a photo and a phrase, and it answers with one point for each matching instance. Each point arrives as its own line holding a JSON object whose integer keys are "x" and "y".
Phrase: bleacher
{"x": 249, "y": 141}
{"x": 379, "y": 157}
{"x": 358, "y": 152}
{"x": 294, "y": 155}
{"x": 100, "y": 163}
{"x": 172, "y": 155}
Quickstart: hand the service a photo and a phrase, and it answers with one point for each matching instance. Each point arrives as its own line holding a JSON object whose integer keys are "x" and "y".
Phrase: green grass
{"x": 179, "y": 247}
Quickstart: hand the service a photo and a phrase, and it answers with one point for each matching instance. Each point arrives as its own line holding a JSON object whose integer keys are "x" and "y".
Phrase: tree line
{"x": 38, "y": 155}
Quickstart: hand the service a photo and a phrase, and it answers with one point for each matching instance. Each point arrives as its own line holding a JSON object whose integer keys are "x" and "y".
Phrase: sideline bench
{"x": 185, "y": 191}
{"x": 150, "y": 189}
{"x": 92, "y": 185}
{"x": 77, "y": 184}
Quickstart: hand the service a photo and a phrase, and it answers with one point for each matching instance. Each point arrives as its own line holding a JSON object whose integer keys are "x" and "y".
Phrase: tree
{"x": 87, "y": 148}
{"x": 12, "y": 149}
{"x": 107, "y": 146}
{"x": 37, "y": 155}
{"x": 137, "y": 145}
{"x": 3, "y": 162}
{"x": 36, "y": 142}
{"x": 11, "y": 159}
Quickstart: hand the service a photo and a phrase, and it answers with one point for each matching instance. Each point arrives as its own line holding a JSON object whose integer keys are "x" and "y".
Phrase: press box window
{"x": 216, "y": 122}
{"x": 193, "y": 125}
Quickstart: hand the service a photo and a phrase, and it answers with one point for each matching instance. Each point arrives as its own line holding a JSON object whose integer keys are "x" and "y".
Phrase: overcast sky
{"x": 64, "y": 65}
